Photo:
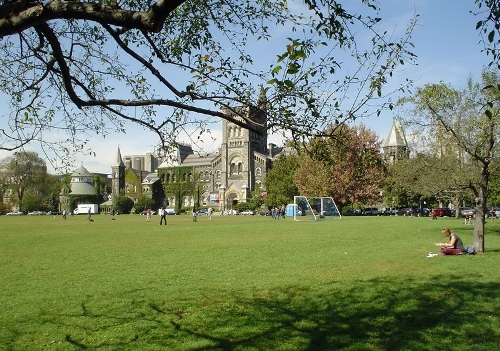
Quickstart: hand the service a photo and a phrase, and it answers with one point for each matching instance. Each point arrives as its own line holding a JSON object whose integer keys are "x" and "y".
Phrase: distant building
{"x": 226, "y": 177}
{"x": 147, "y": 162}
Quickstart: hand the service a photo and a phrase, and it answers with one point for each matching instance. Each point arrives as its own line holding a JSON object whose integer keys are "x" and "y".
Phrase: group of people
{"x": 278, "y": 212}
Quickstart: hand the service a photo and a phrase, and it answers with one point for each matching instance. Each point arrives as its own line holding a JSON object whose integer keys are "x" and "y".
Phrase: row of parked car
{"x": 32, "y": 213}
{"x": 491, "y": 212}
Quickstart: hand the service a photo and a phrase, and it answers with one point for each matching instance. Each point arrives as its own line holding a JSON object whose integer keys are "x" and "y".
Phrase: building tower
{"x": 239, "y": 149}
{"x": 395, "y": 147}
{"x": 118, "y": 175}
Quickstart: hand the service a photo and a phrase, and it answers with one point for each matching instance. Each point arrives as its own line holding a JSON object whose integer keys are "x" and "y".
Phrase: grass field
{"x": 244, "y": 283}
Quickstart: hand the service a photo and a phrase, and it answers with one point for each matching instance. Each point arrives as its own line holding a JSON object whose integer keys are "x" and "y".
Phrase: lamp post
{"x": 223, "y": 189}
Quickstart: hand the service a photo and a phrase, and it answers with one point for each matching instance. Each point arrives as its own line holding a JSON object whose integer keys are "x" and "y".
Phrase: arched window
{"x": 236, "y": 165}
{"x": 258, "y": 171}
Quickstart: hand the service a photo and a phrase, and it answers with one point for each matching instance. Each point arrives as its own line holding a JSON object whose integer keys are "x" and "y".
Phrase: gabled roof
{"x": 150, "y": 178}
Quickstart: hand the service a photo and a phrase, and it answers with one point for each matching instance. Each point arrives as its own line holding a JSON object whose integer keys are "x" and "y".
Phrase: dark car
{"x": 390, "y": 211}
{"x": 203, "y": 211}
{"x": 370, "y": 211}
{"x": 418, "y": 212}
{"x": 441, "y": 212}
{"x": 403, "y": 211}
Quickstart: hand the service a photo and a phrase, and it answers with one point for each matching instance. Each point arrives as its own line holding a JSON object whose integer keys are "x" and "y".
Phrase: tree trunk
{"x": 478, "y": 238}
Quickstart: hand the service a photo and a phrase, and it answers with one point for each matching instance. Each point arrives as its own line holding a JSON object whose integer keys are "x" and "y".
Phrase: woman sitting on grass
{"x": 452, "y": 247}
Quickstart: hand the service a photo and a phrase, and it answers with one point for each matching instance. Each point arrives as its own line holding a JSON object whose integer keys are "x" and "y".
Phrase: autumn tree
{"x": 461, "y": 125}
{"x": 346, "y": 166}
{"x": 174, "y": 67}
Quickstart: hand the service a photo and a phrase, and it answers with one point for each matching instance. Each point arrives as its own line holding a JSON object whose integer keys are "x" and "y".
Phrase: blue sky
{"x": 446, "y": 43}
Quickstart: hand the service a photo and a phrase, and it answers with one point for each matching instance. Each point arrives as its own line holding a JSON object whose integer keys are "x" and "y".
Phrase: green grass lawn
{"x": 244, "y": 283}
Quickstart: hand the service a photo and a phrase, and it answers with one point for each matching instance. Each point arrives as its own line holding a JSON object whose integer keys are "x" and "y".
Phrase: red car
{"x": 441, "y": 212}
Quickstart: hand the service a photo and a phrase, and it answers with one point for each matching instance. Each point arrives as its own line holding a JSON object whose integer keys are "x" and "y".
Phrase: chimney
{"x": 271, "y": 149}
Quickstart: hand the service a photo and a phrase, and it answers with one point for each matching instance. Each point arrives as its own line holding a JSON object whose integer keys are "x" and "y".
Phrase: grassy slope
{"x": 244, "y": 283}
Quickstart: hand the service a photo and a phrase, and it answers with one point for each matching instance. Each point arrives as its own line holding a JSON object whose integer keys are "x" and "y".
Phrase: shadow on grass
{"x": 380, "y": 314}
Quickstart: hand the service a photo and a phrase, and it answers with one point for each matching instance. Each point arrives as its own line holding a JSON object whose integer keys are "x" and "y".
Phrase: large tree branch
{"x": 18, "y": 16}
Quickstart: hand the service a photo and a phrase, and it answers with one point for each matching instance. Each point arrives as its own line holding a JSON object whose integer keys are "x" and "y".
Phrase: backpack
{"x": 469, "y": 250}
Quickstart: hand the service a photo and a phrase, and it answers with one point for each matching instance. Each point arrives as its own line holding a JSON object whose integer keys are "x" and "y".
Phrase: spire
{"x": 262, "y": 100}
{"x": 119, "y": 161}
{"x": 396, "y": 137}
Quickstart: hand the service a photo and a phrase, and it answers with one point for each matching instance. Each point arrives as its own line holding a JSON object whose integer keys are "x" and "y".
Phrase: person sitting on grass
{"x": 454, "y": 246}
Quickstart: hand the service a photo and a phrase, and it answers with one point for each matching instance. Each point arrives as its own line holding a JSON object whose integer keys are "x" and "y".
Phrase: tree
{"x": 462, "y": 125}
{"x": 426, "y": 179}
{"x": 23, "y": 171}
{"x": 123, "y": 203}
{"x": 170, "y": 66}
{"x": 143, "y": 204}
{"x": 280, "y": 186}
{"x": 346, "y": 166}
{"x": 32, "y": 201}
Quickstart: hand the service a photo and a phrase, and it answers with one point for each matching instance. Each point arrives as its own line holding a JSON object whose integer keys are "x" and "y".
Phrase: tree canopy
{"x": 72, "y": 69}
{"x": 347, "y": 166}
{"x": 25, "y": 173}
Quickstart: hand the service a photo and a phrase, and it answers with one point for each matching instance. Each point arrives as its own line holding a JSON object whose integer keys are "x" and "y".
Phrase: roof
{"x": 119, "y": 160}
{"x": 150, "y": 178}
{"x": 199, "y": 160}
{"x": 81, "y": 171}
{"x": 82, "y": 189}
{"x": 396, "y": 136}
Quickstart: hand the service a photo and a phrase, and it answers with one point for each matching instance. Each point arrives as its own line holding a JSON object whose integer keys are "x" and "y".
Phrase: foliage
{"x": 4, "y": 208}
{"x": 133, "y": 183}
{"x": 494, "y": 190}
{"x": 279, "y": 181}
{"x": 143, "y": 204}
{"x": 22, "y": 172}
{"x": 489, "y": 28}
{"x": 169, "y": 66}
{"x": 346, "y": 166}
{"x": 257, "y": 199}
{"x": 179, "y": 182}
{"x": 33, "y": 201}
{"x": 123, "y": 204}
{"x": 426, "y": 179}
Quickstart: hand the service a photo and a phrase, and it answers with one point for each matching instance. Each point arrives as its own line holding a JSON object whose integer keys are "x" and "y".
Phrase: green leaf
{"x": 293, "y": 69}
{"x": 276, "y": 70}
